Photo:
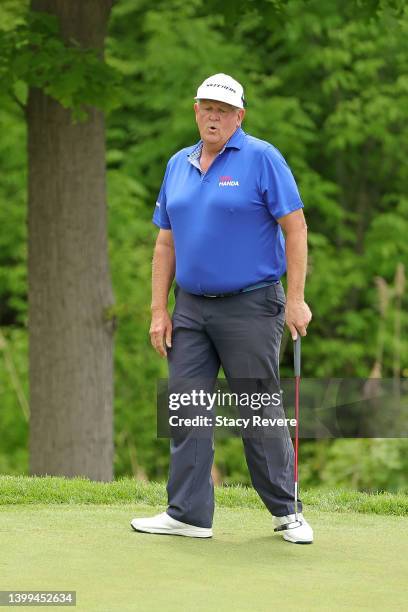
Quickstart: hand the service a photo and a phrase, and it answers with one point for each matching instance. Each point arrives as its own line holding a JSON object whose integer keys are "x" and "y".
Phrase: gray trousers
{"x": 243, "y": 334}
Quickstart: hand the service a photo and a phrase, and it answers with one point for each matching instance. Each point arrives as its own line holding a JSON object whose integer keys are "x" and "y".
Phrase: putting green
{"x": 358, "y": 561}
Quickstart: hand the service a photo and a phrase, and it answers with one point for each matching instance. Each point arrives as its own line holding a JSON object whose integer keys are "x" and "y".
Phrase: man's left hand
{"x": 298, "y": 316}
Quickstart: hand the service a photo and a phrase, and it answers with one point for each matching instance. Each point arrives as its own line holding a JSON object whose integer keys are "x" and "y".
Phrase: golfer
{"x": 224, "y": 207}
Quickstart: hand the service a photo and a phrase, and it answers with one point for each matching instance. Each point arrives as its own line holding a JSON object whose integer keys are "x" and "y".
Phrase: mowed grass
{"x": 358, "y": 561}
{"x": 62, "y": 534}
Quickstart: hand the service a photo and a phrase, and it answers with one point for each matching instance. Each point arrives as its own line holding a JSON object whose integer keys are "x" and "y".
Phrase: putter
{"x": 296, "y": 355}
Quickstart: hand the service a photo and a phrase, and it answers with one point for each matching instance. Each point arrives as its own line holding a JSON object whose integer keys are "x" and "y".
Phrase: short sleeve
{"x": 278, "y": 186}
{"x": 160, "y": 216}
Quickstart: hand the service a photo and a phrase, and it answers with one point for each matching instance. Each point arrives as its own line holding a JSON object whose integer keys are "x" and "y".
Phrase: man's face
{"x": 217, "y": 121}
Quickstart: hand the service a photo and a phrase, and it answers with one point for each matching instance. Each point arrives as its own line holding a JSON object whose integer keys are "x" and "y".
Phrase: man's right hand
{"x": 160, "y": 331}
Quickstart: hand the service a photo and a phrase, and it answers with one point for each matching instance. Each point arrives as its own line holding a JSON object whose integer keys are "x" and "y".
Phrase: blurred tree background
{"x": 326, "y": 83}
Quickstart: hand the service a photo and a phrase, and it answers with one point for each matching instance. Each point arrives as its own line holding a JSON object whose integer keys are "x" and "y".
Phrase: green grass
{"x": 74, "y": 534}
{"x": 357, "y": 562}
{"x": 54, "y": 490}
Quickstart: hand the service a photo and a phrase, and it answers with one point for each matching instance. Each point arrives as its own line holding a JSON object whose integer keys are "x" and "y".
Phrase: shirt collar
{"x": 234, "y": 142}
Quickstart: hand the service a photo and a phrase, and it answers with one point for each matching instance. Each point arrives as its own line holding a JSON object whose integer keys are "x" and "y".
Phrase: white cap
{"x": 223, "y": 88}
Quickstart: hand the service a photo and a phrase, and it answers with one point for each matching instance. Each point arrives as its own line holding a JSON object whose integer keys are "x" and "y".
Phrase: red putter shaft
{"x": 297, "y": 392}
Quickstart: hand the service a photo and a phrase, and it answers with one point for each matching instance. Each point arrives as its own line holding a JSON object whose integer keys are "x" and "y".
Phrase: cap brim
{"x": 219, "y": 98}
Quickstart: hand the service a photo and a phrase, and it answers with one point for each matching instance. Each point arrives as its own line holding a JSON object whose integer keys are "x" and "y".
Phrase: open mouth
{"x": 212, "y": 129}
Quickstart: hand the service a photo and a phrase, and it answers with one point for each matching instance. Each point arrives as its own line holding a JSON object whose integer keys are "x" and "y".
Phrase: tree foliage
{"x": 33, "y": 54}
{"x": 327, "y": 84}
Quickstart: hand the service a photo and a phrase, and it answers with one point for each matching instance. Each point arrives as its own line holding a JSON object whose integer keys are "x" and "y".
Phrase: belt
{"x": 249, "y": 288}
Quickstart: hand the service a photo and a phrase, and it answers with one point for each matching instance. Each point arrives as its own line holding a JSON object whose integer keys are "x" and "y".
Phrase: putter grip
{"x": 296, "y": 354}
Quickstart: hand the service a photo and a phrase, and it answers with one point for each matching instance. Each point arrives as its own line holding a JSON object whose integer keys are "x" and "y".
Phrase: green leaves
{"x": 326, "y": 83}
{"x": 34, "y": 54}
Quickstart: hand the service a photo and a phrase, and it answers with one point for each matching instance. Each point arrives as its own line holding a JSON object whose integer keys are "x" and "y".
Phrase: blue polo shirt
{"x": 224, "y": 221}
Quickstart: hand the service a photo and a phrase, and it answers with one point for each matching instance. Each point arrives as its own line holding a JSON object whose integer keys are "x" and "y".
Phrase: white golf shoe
{"x": 301, "y": 534}
{"x": 165, "y": 524}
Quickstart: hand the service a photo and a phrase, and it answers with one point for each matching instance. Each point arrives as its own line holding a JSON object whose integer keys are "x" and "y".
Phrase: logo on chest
{"x": 227, "y": 181}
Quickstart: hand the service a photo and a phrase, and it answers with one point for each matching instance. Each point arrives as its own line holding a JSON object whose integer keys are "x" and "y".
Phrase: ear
{"x": 240, "y": 116}
{"x": 196, "y": 109}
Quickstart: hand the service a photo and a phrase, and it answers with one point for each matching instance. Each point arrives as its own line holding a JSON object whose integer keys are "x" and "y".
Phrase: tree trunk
{"x": 70, "y": 340}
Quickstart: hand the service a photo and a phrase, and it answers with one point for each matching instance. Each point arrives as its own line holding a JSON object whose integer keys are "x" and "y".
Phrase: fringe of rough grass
{"x": 60, "y": 490}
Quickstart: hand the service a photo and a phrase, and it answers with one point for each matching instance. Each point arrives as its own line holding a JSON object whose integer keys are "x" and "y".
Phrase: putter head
{"x": 291, "y": 525}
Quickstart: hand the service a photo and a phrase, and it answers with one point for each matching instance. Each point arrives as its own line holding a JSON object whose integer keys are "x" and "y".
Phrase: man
{"x": 221, "y": 210}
